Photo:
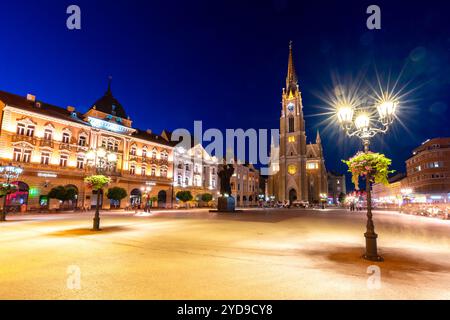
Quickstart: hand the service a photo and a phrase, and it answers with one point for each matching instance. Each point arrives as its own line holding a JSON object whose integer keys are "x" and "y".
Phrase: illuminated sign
{"x": 110, "y": 126}
{"x": 47, "y": 175}
{"x": 150, "y": 183}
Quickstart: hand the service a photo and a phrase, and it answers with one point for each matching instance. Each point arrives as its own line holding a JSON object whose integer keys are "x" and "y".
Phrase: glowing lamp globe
{"x": 345, "y": 113}
{"x": 387, "y": 109}
{"x": 362, "y": 122}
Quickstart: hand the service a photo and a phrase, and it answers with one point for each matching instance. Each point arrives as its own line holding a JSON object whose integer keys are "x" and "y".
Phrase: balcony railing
{"x": 23, "y": 138}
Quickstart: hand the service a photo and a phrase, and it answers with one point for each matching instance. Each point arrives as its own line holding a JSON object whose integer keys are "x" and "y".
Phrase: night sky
{"x": 225, "y": 62}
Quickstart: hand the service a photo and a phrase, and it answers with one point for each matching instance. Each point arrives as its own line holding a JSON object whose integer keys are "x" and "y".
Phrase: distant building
{"x": 245, "y": 184}
{"x": 428, "y": 171}
{"x": 336, "y": 186}
{"x": 391, "y": 193}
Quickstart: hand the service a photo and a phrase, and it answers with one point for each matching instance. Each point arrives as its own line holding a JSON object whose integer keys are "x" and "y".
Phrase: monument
{"x": 226, "y": 202}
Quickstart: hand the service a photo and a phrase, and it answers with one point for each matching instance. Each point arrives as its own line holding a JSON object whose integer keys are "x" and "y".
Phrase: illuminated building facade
{"x": 428, "y": 171}
{"x": 336, "y": 186}
{"x": 297, "y": 169}
{"x": 195, "y": 171}
{"x": 245, "y": 184}
{"x": 51, "y": 144}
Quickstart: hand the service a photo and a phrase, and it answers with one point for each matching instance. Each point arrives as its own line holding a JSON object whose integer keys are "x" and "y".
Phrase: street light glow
{"x": 387, "y": 109}
{"x": 362, "y": 121}
{"x": 345, "y": 113}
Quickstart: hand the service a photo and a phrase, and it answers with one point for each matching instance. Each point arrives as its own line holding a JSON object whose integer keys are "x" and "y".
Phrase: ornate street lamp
{"x": 103, "y": 161}
{"x": 9, "y": 173}
{"x": 359, "y": 122}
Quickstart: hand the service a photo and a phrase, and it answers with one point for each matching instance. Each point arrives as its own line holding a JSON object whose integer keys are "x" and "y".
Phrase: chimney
{"x": 70, "y": 109}
{"x": 31, "y": 97}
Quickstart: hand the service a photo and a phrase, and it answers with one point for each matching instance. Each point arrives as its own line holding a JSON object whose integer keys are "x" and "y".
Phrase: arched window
{"x": 153, "y": 172}
{"x": 154, "y": 153}
{"x": 144, "y": 152}
{"x": 66, "y": 137}
{"x": 144, "y": 170}
{"x": 291, "y": 124}
{"x": 82, "y": 140}
{"x": 48, "y": 134}
{"x": 133, "y": 150}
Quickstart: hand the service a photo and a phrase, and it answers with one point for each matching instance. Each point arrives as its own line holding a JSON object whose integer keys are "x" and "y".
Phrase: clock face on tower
{"x": 291, "y": 107}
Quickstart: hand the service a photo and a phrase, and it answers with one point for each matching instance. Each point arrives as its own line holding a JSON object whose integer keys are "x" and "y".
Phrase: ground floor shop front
{"x": 33, "y": 189}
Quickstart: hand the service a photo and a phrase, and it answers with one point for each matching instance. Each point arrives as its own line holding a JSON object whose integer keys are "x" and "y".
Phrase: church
{"x": 297, "y": 169}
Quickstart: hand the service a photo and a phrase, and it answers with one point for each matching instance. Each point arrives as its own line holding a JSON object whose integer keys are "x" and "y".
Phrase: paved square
{"x": 194, "y": 254}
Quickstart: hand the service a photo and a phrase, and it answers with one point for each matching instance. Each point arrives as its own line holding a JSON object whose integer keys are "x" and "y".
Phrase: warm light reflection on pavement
{"x": 195, "y": 254}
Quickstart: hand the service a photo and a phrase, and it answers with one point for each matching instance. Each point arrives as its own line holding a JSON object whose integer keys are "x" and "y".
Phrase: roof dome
{"x": 110, "y": 105}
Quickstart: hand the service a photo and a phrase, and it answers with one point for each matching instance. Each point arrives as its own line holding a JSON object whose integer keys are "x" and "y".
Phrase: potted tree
{"x": 116, "y": 194}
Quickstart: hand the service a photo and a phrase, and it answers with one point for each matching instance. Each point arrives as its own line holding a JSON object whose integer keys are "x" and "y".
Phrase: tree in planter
{"x": 5, "y": 190}
{"x": 184, "y": 196}
{"x": 63, "y": 194}
{"x": 97, "y": 183}
{"x": 206, "y": 198}
{"x": 116, "y": 194}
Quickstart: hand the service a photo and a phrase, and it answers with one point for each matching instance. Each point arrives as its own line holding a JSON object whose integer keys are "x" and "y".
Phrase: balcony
{"x": 46, "y": 143}
{"x": 23, "y": 138}
{"x": 64, "y": 146}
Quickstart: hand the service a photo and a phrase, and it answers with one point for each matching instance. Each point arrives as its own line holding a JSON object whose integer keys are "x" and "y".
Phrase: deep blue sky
{"x": 174, "y": 62}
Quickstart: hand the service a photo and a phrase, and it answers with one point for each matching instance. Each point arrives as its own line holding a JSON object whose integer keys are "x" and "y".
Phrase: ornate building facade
{"x": 297, "y": 169}
{"x": 51, "y": 144}
{"x": 245, "y": 184}
{"x": 195, "y": 171}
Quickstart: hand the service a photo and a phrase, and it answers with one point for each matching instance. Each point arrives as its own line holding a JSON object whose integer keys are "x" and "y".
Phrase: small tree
{"x": 63, "y": 194}
{"x": 206, "y": 198}
{"x": 97, "y": 183}
{"x": 184, "y": 196}
{"x": 6, "y": 189}
{"x": 116, "y": 194}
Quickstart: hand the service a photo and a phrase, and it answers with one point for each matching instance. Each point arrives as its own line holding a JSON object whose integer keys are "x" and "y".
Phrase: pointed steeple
{"x": 291, "y": 79}
{"x": 318, "y": 140}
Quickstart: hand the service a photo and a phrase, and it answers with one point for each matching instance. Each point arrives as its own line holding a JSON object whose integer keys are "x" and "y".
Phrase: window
{"x": 179, "y": 180}
{"x": 213, "y": 171}
{"x": 291, "y": 124}
{"x": 154, "y": 154}
{"x": 180, "y": 166}
{"x": 153, "y": 172}
{"x": 80, "y": 162}
{"x": 17, "y": 154}
{"x": 63, "y": 160}
{"x": 164, "y": 156}
{"x": 20, "y": 129}
{"x": 65, "y": 137}
{"x": 30, "y": 131}
{"x": 195, "y": 181}
{"x": 187, "y": 167}
{"x": 164, "y": 172}
{"x": 144, "y": 171}
{"x": 110, "y": 145}
{"x": 291, "y": 139}
{"x": 214, "y": 183}
{"x": 133, "y": 169}
{"x": 26, "y": 156}
{"x": 144, "y": 153}
{"x": 186, "y": 181}
{"x": 436, "y": 164}
{"x": 45, "y": 158}
{"x": 82, "y": 141}
{"x": 133, "y": 150}
{"x": 48, "y": 134}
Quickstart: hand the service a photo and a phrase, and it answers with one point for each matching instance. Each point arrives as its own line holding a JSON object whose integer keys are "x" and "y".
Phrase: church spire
{"x": 291, "y": 79}
{"x": 318, "y": 139}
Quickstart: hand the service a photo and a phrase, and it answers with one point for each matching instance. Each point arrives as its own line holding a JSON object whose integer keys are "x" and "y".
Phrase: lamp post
{"x": 359, "y": 122}
{"x": 9, "y": 173}
{"x": 146, "y": 194}
{"x": 103, "y": 161}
